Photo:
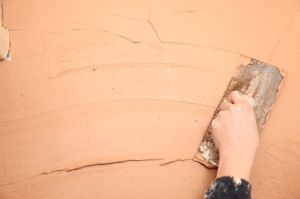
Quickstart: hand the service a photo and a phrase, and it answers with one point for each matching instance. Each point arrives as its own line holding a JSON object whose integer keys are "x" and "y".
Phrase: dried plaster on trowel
{"x": 99, "y": 97}
{"x": 4, "y": 38}
{"x": 259, "y": 83}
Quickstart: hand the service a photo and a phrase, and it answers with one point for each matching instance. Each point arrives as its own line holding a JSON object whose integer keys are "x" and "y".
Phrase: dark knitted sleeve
{"x": 229, "y": 187}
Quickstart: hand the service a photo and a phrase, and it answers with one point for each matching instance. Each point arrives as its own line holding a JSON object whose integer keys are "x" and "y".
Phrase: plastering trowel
{"x": 257, "y": 80}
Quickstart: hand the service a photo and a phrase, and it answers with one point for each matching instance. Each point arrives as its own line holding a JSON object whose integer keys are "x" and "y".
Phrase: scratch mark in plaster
{"x": 44, "y": 31}
{"x": 151, "y": 24}
{"x": 67, "y": 170}
{"x": 279, "y": 40}
{"x": 74, "y": 168}
{"x": 185, "y": 44}
{"x": 126, "y": 17}
{"x": 289, "y": 150}
{"x": 94, "y": 164}
{"x": 113, "y": 14}
{"x": 157, "y": 64}
{"x": 85, "y": 30}
{"x": 273, "y": 156}
{"x": 294, "y": 148}
{"x": 25, "y": 19}
{"x": 131, "y": 40}
{"x": 185, "y": 11}
{"x": 202, "y": 46}
{"x": 94, "y": 103}
{"x": 279, "y": 147}
{"x": 165, "y": 162}
{"x": 17, "y": 181}
{"x": 115, "y": 34}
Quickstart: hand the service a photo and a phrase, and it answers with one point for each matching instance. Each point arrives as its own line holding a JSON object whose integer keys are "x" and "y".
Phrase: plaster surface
{"x": 110, "y": 99}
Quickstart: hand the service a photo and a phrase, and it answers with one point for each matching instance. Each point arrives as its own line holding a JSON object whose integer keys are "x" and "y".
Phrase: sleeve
{"x": 229, "y": 187}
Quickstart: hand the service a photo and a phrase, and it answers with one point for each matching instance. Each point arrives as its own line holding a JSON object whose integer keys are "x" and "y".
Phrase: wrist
{"x": 236, "y": 164}
{"x": 246, "y": 154}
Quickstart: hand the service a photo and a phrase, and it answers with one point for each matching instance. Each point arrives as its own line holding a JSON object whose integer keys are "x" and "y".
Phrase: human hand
{"x": 236, "y": 136}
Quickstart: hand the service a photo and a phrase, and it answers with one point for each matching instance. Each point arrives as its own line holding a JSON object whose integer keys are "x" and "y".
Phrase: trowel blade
{"x": 257, "y": 80}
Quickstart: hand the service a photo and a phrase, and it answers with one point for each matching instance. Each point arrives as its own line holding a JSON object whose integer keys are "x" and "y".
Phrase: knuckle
{"x": 213, "y": 122}
{"x": 221, "y": 113}
{"x": 236, "y": 107}
{"x": 244, "y": 106}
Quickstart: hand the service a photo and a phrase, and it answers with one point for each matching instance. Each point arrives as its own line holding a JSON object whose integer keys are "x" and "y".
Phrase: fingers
{"x": 225, "y": 106}
{"x": 237, "y": 102}
{"x": 238, "y": 98}
{"x": 250, "y": 100}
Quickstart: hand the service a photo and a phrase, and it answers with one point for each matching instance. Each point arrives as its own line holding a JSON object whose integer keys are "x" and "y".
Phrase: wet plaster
{"x": 110, "y": 99}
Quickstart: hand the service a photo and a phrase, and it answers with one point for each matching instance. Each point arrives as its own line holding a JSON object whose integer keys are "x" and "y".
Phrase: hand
{"x": 236, "y": 136}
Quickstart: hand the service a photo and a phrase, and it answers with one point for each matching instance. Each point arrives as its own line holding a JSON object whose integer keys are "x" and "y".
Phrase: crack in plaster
{"x": 115, "y": 34}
